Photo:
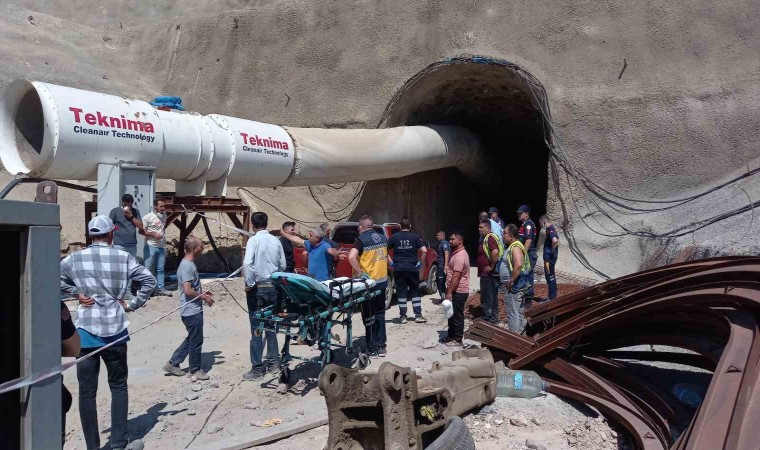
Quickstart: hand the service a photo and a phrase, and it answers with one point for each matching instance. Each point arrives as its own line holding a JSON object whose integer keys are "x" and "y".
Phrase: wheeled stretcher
{"x": 309, "y": 309}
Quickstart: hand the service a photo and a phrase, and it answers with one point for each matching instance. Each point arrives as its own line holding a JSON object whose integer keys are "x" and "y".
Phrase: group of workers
{"x": 101, "y": 277}
{"x": 128, "y": 221}
{"x": 266, "y": 254}
{"x": 506, "y": 258}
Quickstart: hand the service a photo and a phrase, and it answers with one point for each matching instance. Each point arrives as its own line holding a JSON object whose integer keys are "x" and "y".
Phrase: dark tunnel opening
{"x": 496, "y": 100}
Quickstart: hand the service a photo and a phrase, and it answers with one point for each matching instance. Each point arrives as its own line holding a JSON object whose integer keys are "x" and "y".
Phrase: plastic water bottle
{"x": 518, "y": 383}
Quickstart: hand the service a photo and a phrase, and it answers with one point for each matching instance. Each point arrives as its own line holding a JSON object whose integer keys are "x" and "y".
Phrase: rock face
{"x": 651, "y": 100}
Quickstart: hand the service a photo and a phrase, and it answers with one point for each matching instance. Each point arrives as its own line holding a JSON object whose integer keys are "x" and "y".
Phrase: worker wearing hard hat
{"x": 527, "y": 236}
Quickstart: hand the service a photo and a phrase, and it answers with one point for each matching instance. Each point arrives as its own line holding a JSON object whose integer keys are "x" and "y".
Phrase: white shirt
{"x": 155, "y": 223}
{"x": 263, "y": 257}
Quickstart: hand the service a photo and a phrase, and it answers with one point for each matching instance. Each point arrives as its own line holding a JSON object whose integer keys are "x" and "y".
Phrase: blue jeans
{"x": 192, "y": 344}
{"x": 115, "y": 359}
{"x": 261, "y": 297}
{"x": 157, "y": 256}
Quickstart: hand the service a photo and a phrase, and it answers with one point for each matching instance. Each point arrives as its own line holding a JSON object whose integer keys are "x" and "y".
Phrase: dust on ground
{"x": 174, "y": 413}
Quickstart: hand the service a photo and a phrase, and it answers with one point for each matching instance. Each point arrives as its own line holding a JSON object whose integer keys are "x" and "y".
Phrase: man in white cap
{"x": 101, "y": 276}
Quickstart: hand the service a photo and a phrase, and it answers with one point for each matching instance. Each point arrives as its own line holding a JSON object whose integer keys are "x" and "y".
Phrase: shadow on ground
{"x": 211, "y": 359}
{"x": 139, "y": 426}
{"x": 304, "y": 374}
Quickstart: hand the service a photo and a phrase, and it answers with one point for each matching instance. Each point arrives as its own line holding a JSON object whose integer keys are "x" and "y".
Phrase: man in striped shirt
{"x": 101, "y": 276}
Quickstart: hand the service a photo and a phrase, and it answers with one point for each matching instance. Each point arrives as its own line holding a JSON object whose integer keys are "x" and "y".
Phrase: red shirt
{"x": 483, "y": 260}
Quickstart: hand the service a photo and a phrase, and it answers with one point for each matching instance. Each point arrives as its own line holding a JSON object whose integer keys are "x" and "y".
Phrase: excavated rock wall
{"x": 681, "y": 116}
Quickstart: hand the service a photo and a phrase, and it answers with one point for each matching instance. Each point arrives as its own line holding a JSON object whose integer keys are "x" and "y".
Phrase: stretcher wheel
{"x": 362, "y": 361}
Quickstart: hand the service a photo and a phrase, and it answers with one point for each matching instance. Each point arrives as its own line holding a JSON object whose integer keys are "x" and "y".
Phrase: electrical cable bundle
{"x": 595, "y": 197}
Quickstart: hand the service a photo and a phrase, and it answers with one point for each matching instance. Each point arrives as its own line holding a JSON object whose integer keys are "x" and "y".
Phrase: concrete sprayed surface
{"x": 652, "y": 100}
{"x": 167, "y": 412}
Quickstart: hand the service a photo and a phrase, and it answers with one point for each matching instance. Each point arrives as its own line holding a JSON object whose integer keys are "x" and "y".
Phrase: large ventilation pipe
{"x": 59, "y": 132}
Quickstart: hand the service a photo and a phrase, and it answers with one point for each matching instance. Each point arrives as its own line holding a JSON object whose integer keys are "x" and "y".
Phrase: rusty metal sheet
{"x": 710, "y": 306}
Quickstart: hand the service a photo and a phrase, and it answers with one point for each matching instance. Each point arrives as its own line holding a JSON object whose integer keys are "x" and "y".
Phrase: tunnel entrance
{"x": 496, "y": 100}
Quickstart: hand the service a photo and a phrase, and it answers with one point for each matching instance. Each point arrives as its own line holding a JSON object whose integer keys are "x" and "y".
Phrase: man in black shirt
{"x": 287, "y": 246}
{"x": 407, "y": 249}
{"x": 127, "y": 220}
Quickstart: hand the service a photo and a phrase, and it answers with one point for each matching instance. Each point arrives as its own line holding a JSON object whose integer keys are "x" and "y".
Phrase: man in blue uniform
{"x": 551, "y": 251}
{"x": 444, "y": 252}
{"x": 408, "y": 250}
{"x": 527, "y": 236}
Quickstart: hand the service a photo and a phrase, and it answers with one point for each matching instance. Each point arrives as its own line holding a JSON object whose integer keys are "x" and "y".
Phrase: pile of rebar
{"x": 710, "y": 308}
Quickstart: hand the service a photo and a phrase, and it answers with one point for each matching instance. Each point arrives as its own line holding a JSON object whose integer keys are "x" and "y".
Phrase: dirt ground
{"x": 174, "y": 413}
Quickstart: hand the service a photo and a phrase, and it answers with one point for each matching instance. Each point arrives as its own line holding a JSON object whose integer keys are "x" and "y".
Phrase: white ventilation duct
{"x": 59, "y": 132}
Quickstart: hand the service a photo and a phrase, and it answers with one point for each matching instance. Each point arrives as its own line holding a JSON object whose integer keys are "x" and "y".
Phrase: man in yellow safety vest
{"x": 515, "y": 276}
{"x": 488, "y": 261}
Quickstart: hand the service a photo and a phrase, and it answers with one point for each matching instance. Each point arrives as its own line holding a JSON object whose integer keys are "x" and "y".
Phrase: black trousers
{"x": 408, "y": 288}
{"x": 66, "y": 401}
{"x": 489, "y": 290}
{"x": 456, "y": 322}
{"x": 373, "y": 316}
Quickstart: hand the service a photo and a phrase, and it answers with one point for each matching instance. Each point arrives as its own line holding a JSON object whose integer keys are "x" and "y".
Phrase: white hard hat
{"x": 100, "y": 225}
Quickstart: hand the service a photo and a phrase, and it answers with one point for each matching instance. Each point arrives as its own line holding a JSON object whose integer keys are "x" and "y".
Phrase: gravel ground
{"x": 174, "y": 413}
{"x": 548, "y": 420}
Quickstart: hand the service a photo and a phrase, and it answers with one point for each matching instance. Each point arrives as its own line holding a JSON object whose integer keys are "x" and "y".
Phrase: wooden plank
{"x": 265, "y": 435}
